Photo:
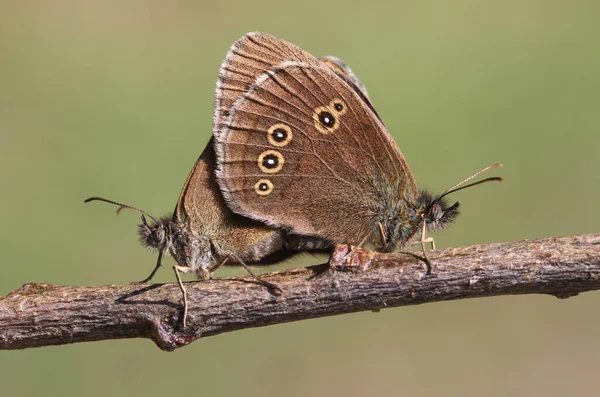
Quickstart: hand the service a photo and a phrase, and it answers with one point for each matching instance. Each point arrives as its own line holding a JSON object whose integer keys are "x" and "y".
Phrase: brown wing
{"x": 346, "y": 73}
{"x": 257, "y": 53}
{"x": 304, "y": 150}
{"x": 247, "y": 59}
{"x": 200, "y": 202}
{"x": 201, "y": 208}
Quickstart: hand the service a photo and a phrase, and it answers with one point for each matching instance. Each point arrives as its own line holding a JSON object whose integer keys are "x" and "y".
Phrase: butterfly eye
{"x": 263, "y": 187}
{"x": 270, "y": 161}
{"x": 339, "y": 106}
{"x": 280, "y": 135}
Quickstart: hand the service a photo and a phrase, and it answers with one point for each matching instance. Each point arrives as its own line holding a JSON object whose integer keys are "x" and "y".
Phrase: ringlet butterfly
{"x": 300, "y": 147}
{"x": 202, "y": 234}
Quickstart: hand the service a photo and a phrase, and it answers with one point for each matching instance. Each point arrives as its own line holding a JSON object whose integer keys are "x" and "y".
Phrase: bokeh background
{"x": 115, "y": 99}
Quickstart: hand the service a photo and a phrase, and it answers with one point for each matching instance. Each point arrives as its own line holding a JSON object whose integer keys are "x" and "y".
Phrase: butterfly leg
{"x": 430, "y": 240}
{"x": 177, "y": 269}
{"x": 158, "y": 265}
{"x": 257, "y": 278}
{"x": 214, "y": 267}
{"x": 426, "y": 240}
{"x": 425, "y": 258}
{"x": 205, "y": 275}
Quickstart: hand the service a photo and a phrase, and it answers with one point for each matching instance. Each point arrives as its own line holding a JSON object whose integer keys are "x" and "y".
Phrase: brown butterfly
{"x": 203, "y": 234}
{"x": 300, "y": 147}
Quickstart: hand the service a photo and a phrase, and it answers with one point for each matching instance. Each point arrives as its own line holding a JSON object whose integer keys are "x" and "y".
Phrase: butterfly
{"x": 300, "y": 147}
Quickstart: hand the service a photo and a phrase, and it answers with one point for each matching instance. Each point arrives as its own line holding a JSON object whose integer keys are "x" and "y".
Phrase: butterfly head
{"x": 435, "y": 211}
{"x": 168, "y": 235}
{"x": 157, "y": 235}
{"x": 403, "y": 221}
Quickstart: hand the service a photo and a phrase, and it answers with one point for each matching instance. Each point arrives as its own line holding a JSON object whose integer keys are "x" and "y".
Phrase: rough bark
{"x": 43, "y": 314}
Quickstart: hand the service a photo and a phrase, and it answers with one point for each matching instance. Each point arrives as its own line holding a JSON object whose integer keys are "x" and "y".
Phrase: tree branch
{"x": 43, "y": 314}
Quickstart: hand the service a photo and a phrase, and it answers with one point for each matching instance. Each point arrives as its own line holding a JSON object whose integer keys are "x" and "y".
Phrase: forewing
{"x": 247, "y": 59}
{"x": 303, "y": 149}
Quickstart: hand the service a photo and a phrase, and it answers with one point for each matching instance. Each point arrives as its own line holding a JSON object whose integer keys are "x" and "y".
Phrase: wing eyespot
{"x": 263, "y": 187}
{"x": 279, "y": 135}
{"x": 327, "y": 118}
{"x": 338, "y": 106}
{"x": 270, "y": 161}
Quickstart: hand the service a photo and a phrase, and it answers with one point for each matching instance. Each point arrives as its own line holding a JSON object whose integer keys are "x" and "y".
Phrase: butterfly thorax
{"x": 394, "y": 205}
{"x": 399, "y": 225}
{"x": 404, "y": 216}
{"x": 190, "y": 250}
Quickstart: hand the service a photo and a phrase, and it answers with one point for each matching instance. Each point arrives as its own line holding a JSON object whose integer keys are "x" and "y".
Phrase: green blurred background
{"x": 115, "y": 99}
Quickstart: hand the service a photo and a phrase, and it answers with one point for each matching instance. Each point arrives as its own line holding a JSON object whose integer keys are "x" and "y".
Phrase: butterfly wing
{"x": 247, "y": 59}
{"x": 345, "y": 73}
{"x": 202, "y": 210}
{"x": 303, "y": 149}
{"x": 201, "y": 206}
{"x": 255, "y": 54}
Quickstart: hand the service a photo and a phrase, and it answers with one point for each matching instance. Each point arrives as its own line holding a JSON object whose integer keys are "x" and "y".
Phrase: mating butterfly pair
{"x": 299, "y": 161}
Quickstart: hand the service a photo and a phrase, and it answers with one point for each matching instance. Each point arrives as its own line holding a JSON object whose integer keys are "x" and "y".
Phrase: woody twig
{"x": 43, "y": 314}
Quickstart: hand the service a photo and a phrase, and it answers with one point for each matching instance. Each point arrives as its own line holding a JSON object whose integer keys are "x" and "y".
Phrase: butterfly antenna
{"x": 459, "y": 186}
{"x": 121, "y": 207}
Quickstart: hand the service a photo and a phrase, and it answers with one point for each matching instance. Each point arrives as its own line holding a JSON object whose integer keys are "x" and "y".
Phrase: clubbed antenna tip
{"x": 121, "y": 206}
